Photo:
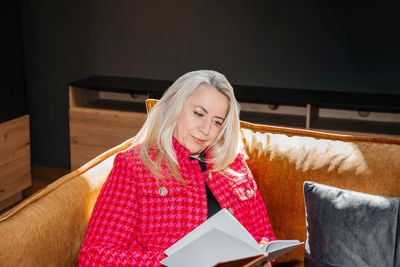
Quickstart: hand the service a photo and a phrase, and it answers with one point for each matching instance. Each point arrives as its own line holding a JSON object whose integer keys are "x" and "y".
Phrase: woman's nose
{"x": 205, "y": 127}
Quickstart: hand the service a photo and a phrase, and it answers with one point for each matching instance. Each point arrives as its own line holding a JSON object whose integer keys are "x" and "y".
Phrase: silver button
{"x": 209, "y": 176}
{"x": 162, "y": 191}
{"x": 230, "y": 210}
{"x": 249, "y": 193}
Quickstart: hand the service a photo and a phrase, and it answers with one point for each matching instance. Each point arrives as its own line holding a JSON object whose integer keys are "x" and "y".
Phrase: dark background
{"x": 318, "y": 45}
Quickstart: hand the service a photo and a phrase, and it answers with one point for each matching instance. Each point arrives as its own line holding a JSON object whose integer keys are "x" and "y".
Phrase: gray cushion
{"x": 348, "y": 228}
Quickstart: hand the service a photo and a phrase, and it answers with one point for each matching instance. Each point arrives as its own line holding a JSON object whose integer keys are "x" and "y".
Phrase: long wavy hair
{"x": 158, "y": 129}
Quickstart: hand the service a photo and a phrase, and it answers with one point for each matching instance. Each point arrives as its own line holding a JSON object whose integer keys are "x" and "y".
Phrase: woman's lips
{"x": 198, "y": 141}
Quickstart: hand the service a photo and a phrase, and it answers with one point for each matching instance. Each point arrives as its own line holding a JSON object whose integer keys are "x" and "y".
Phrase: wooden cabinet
{"x": 342, "y": 120}
{"x": 15, "y": 160}
{"x": 106, "y": 110}
{"x": 98, "y": 124}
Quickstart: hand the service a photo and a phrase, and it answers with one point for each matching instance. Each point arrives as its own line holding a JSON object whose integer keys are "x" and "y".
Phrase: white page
{"x": 212, "y": 247}
{"x": 224, "y": 221}
{"x": 277, "y": 248}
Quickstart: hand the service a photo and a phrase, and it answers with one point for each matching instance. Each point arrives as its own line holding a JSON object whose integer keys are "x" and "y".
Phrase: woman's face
{"x": 201, "y": 118}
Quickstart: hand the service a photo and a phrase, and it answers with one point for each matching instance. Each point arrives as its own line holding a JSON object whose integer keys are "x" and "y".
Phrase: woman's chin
{"x": 196, "y": 149}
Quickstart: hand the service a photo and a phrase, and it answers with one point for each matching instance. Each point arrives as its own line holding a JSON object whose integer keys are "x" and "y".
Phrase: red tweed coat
{"x": 133, "y": 221}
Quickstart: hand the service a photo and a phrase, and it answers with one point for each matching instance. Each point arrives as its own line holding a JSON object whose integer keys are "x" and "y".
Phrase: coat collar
{"x": 183, "y": 154}
{"x": 180, "y": 151}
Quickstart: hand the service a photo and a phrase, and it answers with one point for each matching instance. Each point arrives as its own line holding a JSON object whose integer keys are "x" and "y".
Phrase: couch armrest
{"x": 48, "y": 228}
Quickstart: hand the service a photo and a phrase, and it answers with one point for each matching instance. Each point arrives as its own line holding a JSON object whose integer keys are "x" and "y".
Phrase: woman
{"x": 184, "y": 166}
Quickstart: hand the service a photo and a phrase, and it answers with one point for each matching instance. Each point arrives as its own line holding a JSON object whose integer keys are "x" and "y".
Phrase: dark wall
{"x": 12, "y": 97}
{"x": 371, "y": 34}
{"x": 294, "y": 44}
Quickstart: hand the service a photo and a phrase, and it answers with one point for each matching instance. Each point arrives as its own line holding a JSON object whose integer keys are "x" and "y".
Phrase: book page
{"x": 244, "y": 262}
{"x": 273, "y": 250}
{"x": 277, "y": 248}
{"x": 224, "y": 221}
{"x": 210, "y": 248}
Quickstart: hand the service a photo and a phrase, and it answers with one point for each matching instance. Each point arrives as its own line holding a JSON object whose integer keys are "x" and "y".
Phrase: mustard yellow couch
{"x": 47, "y": 229}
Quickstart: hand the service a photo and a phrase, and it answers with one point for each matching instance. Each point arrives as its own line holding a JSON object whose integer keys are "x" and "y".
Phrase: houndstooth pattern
{"x": 132, "y": 224}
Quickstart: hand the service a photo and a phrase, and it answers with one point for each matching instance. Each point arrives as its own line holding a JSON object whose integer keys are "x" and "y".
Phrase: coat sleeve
{"x": 110, "y": 238}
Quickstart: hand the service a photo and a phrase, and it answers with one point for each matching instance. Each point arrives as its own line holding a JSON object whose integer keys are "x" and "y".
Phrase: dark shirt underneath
{"x": 212, "y": 203}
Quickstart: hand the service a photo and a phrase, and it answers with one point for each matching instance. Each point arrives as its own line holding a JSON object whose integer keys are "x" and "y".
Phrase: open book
{"x": 223, "y": 241}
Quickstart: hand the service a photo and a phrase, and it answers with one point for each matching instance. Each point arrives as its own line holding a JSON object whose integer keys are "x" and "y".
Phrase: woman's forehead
{"x": 209, "y": 98}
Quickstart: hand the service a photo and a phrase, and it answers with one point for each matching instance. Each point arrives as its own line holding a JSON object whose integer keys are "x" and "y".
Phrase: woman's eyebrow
{"x": 205, "y": 110}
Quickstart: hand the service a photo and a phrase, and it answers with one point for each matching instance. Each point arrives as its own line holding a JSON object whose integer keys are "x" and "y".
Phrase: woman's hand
{"x": 267, "y": 264}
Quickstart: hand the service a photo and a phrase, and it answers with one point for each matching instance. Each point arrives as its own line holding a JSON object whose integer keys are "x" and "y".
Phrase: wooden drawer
{"x": 15, "y": 160}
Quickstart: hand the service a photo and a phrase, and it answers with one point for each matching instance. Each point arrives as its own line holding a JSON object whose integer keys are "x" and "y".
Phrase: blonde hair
{"x": 157, "y": 132}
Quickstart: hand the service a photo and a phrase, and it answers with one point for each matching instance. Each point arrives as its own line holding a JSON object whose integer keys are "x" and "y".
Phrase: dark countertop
{"x": 255, "y": 94}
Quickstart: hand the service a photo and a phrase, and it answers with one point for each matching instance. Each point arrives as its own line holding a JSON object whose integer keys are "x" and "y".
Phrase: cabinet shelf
{"x": 273, "y": 119}
{"x": 360, "y": 127}
{"x": 115, "y": 105}
{"x": 324, "y": 118}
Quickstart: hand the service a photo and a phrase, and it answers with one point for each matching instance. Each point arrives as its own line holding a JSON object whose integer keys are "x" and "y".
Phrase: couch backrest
{"x": 281, "y": 159}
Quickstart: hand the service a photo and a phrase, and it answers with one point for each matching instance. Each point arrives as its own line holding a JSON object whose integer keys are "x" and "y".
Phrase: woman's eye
{"x": 218, "y": 123}
{"x": 197, "y": 114}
